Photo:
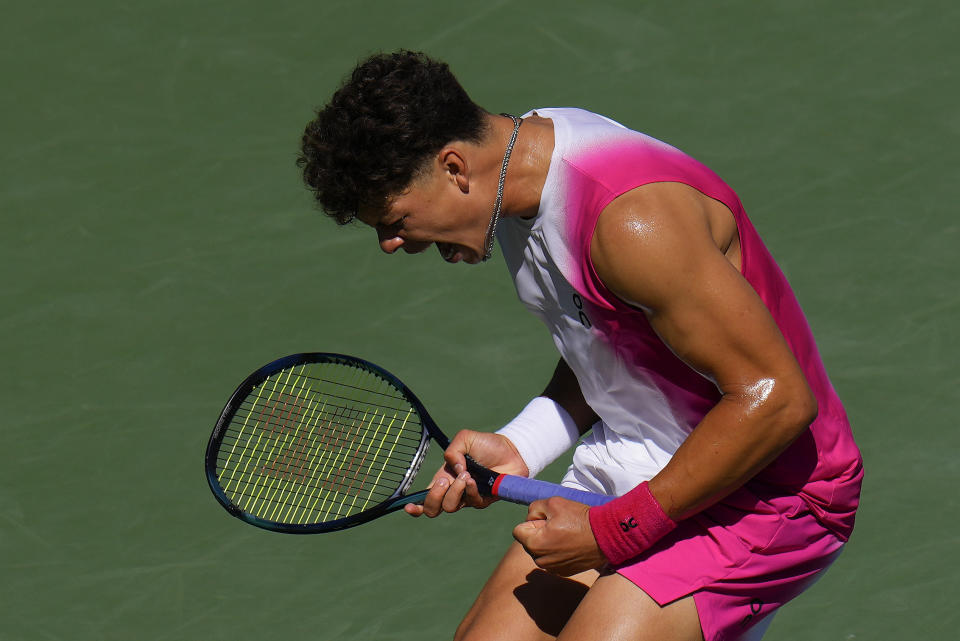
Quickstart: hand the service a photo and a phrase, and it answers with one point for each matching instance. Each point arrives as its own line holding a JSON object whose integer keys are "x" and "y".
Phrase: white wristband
{"x": 541, "y": 432}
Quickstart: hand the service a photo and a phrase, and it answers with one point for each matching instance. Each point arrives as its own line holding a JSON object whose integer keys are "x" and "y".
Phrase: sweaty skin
{"x": 664, "y": 248}
{"x": 673, "y": 253}
{"x": 673, "y": 268}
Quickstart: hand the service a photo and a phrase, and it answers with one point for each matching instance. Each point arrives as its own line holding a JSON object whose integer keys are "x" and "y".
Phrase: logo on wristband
{"x": 628, "y": 525}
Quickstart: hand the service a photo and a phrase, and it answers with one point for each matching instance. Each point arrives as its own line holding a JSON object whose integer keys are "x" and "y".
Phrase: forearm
{"x": 564, "y": 389}
{"x": 740, "y": 436}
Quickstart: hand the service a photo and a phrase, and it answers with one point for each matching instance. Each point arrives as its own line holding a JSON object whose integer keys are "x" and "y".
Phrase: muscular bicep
{"x": 657, "y": 249}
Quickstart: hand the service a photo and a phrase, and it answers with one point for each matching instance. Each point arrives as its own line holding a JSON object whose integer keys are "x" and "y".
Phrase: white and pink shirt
{"x": 647, "y": 399}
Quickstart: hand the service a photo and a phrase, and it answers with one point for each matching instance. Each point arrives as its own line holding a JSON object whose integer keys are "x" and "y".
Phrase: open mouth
{"x": 450, "y": 252}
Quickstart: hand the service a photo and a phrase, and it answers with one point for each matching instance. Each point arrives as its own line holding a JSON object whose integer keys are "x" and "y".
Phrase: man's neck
{"x": 529, "y": 163}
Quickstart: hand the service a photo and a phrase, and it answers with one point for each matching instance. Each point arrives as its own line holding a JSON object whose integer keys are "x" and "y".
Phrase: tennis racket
{"x": 322, "y": 442}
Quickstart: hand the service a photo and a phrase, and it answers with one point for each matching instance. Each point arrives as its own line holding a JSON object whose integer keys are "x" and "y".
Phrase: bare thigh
{"x": 521, "y": 602}
{"x": 615, "y": 608}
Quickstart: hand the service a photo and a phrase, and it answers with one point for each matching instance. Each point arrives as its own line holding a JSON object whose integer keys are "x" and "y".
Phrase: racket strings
{"x": 348, "y": 402}
{"x": 331, "y": 418}
{"x": 294, "y": 467}
{"x": 337, "y": 483}
{"x": 317, "y": 442}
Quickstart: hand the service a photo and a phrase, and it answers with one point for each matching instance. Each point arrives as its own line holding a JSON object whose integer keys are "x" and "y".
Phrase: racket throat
{"x": 415, "y": 465}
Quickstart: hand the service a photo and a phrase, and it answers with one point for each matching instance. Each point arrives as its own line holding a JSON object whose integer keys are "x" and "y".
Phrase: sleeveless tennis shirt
{"x": 648, "y": 400}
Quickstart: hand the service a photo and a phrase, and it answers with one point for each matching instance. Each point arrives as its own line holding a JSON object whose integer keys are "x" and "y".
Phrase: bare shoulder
{"x": 653, "y": 237}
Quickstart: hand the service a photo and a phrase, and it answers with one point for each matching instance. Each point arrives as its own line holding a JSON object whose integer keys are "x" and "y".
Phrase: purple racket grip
{"x": 519, "y": 489}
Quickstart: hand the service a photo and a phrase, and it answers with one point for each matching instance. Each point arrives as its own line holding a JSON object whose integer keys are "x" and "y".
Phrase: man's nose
{"x": 389, "y": 242}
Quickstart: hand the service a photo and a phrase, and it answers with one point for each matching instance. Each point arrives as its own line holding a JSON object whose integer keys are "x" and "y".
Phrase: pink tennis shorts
{"x": 739, "y": 565}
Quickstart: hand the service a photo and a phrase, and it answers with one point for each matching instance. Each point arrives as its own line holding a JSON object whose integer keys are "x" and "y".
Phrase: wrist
{"x": 628, "y": 525}
{"x": 521, "y": 465}
{"x": 540, "y": 433}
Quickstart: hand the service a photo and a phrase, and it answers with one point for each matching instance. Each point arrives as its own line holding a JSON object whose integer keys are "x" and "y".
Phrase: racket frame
{"x": 394, "y": 502}
{"x": 511, "y": 488}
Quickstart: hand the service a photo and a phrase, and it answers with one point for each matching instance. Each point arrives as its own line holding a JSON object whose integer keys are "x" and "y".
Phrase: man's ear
{"x": 454, "y": 165}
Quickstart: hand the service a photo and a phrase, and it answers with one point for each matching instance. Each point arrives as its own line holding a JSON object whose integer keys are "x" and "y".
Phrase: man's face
{"x": 433, "y": 210}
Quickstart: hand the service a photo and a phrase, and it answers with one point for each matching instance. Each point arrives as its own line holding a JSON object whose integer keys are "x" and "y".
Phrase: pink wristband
{"x": 629, "y": 524}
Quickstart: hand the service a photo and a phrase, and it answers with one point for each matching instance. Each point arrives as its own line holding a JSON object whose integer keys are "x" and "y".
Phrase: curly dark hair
{"x": 387, "y": 118}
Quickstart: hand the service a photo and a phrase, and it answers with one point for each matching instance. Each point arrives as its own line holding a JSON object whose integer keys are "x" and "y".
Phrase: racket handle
{"x": 519, "y": 489}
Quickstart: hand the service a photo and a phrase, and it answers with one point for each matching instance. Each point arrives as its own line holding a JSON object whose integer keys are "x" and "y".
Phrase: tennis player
{"x": 688, "y": 379}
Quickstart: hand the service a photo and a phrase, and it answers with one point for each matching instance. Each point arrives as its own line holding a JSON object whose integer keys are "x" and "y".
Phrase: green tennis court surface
{"x": 157, "y": 246}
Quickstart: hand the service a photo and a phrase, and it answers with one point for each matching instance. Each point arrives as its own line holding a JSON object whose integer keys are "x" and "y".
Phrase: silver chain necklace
{"x": 492, "y": 228}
